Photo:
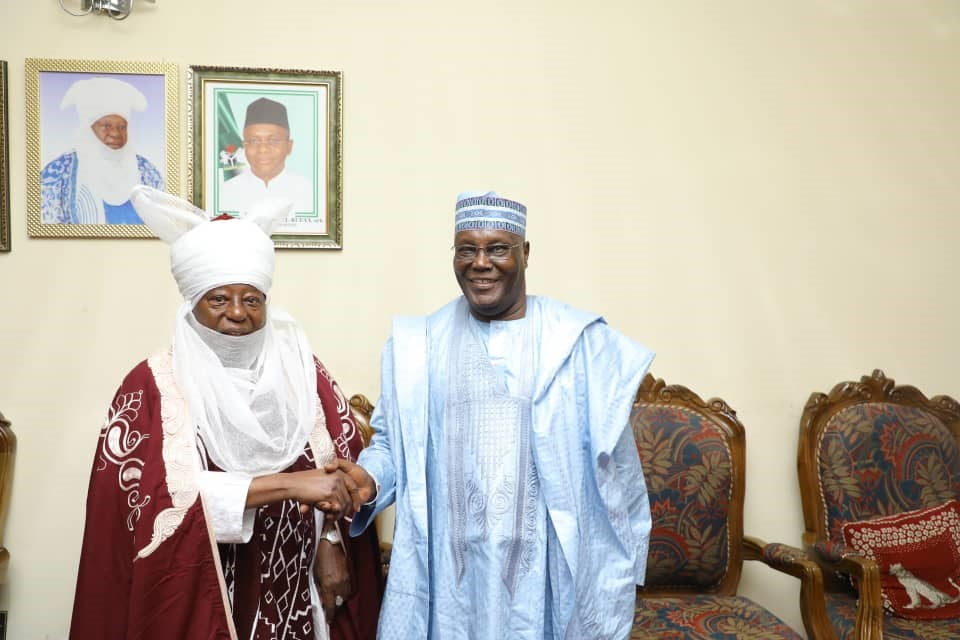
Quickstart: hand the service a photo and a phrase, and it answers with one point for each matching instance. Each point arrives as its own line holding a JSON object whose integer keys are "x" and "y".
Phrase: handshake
{"x": 339, "y": 489}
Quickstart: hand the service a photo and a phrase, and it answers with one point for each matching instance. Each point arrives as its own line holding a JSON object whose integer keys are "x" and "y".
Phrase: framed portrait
{"x": 260, "y": 133}
{"x": 94, "y": 130}
{"x": 4, "y": 162}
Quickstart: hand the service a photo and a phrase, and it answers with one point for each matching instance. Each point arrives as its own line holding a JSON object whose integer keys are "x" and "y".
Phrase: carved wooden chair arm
{"x": 783, "y": 558}
{"x": 869, "y": 624}
{"x": 835, "y": 558}
{"x": 832, "y": 552}
{"x": 797, "y": 563}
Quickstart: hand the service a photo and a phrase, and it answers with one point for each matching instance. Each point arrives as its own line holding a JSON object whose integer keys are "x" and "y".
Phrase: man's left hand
{"x": 332, "y": 575}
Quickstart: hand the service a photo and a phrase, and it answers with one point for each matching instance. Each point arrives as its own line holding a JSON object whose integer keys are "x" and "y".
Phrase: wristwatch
{"x": 332, "y": 535}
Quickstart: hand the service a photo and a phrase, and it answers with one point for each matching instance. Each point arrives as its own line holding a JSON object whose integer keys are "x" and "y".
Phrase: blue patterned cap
{"x": 487, "y": 210}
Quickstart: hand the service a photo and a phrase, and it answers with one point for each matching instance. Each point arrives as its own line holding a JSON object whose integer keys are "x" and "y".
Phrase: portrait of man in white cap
{"x": 267, "y": 144}
{"x": 90, "y": 183}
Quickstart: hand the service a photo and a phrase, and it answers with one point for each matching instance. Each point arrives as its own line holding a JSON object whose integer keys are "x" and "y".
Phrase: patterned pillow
{"x": 918, "y": 553}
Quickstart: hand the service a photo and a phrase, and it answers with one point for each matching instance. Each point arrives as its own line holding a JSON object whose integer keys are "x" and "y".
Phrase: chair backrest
{"x": 693, "y": 455}
{"x": 362, "y": 410}
{"x": 870, "y": 449}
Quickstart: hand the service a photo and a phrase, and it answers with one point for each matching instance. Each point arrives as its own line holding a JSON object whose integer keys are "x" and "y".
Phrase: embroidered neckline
{"x": 180, "y": 455}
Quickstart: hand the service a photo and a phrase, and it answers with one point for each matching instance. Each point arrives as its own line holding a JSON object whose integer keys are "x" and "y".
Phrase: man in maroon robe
{"x": 204, "y": 507}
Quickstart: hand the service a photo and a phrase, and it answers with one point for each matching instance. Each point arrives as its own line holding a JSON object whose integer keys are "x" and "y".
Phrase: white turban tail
{"x": 253, "y": 397}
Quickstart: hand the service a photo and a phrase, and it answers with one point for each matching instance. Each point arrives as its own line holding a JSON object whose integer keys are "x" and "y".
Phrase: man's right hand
{"x": 364, "y": 490}
{"x": 329, "y": 491}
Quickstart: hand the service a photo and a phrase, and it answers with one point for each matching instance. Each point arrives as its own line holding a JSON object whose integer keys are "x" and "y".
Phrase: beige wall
{"x": 765, "y": 192}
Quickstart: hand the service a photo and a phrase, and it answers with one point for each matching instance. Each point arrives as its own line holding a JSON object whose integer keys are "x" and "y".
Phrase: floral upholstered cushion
{"x": 687, "y": 468}
{"x": 878, "y": 459}
{"x": 842, "y": 610}
{"x": 706, "y": 618}
{"x": 918, "y": 553}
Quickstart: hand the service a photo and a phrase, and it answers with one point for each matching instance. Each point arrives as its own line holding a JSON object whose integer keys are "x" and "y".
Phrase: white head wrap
{"x": 98, "y": 97}
{"x": 253, "y": 397}
{"x": 104, "y": 174}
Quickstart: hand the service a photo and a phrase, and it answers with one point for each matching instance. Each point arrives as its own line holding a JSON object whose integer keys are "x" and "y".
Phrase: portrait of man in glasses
{"x": 502, "y": 438}
{"x": 267, "y": 144}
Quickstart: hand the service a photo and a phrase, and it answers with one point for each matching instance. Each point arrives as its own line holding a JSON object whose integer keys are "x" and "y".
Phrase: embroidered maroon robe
{"x": 150, "y": 567}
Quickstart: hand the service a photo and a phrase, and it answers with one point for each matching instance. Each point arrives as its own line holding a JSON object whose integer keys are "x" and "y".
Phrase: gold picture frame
{"x": 63, "y": 201}
{"x": 4, "y": 162}
{"x": 302, "y": 160}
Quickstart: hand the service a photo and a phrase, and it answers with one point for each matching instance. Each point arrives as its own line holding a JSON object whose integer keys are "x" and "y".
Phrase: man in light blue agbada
{"x": 502, "y": 437}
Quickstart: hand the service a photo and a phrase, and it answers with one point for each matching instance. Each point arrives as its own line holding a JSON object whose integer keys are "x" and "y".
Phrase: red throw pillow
{"x": 918, "y": 553}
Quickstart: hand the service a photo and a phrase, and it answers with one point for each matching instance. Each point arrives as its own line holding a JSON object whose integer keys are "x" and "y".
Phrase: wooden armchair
{"x": 870, "y": 449}
{"x": 693, "y": 455}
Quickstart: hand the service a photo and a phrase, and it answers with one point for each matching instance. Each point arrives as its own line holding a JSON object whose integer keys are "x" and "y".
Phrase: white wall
{"x": 765, "y": 192}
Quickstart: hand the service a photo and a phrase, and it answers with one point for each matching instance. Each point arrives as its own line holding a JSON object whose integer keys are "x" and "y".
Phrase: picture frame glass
{"x": 95, "y": 129}
{"x": 269, "y": 134}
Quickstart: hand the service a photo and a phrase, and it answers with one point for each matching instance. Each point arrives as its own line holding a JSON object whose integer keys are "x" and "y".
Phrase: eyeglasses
{"x": 273, "y": 143}
{"x": 107, "y": 127}
{"x": 494, "y": 252}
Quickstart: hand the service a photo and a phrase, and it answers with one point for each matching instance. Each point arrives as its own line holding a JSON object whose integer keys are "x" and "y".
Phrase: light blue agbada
{"x": 521, "y": 508}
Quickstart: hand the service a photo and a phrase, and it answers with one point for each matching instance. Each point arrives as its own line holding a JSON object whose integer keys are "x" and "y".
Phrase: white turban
{"x": 253, "y": 418}
{"x": 98, "y": 97}
{"x": 205, "y": 253}
{"x": 221, "y": 252}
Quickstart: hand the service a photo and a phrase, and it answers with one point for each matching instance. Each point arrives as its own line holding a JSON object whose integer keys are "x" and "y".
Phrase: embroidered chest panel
{"x": 494, "y": 491}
